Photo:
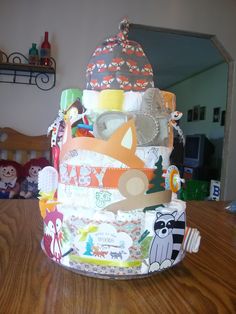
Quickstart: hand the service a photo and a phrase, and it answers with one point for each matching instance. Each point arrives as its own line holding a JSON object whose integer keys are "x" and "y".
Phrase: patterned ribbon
{"x": 97, "y": 176}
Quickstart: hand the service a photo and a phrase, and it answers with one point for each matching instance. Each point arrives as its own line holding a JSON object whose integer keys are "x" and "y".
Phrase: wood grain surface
{"x": 31, "y": 283}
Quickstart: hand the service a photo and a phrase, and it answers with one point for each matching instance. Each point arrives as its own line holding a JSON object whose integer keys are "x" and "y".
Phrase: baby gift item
{"x": 109, "y": 204}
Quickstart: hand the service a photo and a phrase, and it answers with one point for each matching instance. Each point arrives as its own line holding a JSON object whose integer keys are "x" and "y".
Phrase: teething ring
{"x": 172, "y": 181}
{"x": 174, "y": 185}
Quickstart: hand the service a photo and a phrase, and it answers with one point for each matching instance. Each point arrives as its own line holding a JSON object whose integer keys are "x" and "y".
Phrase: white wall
{"x": 75, "y": 27}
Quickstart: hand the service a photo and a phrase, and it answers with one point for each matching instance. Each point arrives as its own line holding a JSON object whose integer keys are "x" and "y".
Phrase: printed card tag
{"x": 104, "y": 243}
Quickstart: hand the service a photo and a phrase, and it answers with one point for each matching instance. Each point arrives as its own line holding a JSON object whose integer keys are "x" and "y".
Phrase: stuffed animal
{"x": 29, "y": 186}
{"x": 10, "y": 173}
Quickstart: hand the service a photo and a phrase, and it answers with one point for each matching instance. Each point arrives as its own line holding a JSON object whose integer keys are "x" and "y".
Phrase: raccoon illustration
{"x": 169, "y": 233}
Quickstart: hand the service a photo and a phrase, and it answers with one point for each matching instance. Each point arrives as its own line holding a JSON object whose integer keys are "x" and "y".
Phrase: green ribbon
{"x": 85, "y": 231}
{"x": 88, "y": 260}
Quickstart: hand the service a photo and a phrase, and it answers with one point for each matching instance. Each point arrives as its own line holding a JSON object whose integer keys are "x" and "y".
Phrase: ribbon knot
{"x": 83, "y": 232}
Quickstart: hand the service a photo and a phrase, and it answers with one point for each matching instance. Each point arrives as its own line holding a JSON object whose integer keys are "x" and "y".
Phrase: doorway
{"x": 196, "y": 68}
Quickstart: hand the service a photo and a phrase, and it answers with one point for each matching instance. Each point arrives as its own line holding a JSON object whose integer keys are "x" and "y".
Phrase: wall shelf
{"x": 16, "y": 69}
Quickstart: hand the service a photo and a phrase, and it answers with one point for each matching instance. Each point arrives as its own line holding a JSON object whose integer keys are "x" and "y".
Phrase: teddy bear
{"x": 10, "y": 174}
{"x": 29, "y": 186}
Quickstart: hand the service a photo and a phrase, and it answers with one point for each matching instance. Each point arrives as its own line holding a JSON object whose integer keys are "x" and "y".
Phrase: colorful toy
{"x": 10, "y": 175}
{"x": 29, "y": 186}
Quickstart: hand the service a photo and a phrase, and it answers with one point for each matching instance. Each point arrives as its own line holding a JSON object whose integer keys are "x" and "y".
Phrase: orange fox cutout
{"x": 120, "y": 146}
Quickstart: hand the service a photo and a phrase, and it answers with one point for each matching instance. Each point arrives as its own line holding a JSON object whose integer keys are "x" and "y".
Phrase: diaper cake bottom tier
{"x": 121, "y": 246}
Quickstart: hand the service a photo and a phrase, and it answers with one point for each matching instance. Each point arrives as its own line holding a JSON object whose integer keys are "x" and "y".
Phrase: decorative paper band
{"x": 86, "y": 176}
{"x": 140, "y": 201}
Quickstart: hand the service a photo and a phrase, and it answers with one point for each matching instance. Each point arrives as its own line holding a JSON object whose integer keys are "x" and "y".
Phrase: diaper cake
{"x": 109, "y": 202}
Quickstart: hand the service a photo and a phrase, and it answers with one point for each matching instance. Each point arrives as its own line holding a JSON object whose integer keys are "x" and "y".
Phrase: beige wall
{"x": 75, "y": 27}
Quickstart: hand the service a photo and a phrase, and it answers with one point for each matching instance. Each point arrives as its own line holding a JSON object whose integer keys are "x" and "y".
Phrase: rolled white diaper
{"x": 132, "y": 100}
{"x": 90, "y": 99}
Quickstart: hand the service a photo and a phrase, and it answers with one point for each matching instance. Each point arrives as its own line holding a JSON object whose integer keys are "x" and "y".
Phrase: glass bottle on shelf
{"x": 33, "y": 55}
{"x": 45, "y": 51}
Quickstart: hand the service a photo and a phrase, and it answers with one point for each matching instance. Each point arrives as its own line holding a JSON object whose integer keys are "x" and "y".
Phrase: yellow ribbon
{"x": 47, "y": 206}
{"x": 47, "y": 202}
{"x": 85, "y": 231}
{"x": 88, "y": 260}
{"x": 46, "y": 196}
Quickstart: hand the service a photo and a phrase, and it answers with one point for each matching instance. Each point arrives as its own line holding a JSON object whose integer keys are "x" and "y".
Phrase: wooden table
{"x": 31, "y": 283}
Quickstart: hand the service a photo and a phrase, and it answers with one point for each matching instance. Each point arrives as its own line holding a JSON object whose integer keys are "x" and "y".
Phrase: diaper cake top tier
{"x": 119, "y": 63}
